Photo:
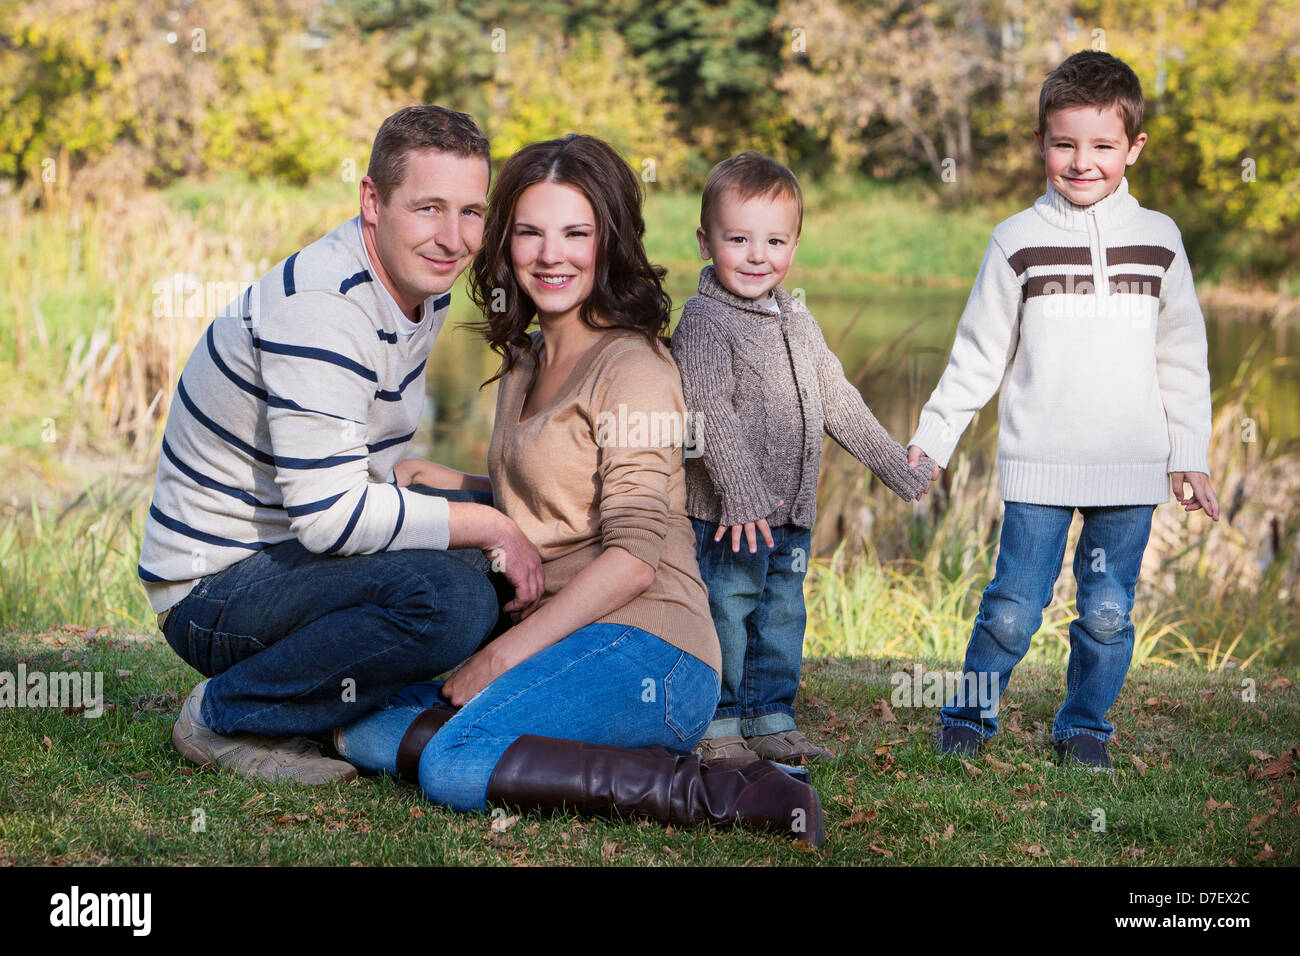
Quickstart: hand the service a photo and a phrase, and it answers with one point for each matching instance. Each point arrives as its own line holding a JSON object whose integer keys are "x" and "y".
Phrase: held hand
{"x": 407, "y": 471}
{"x": 748, "y": 528}
{"x": 1202, "y": 495}
{"x": 521, "y": 563}
{"x": 481, "y": 669}
{"x": 914, "y": 454}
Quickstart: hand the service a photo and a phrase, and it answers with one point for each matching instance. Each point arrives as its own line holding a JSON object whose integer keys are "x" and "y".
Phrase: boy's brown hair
{"x": 1092, "y": 78}
{"x": 421, "y": 128}
{"x": 752, "y": 175}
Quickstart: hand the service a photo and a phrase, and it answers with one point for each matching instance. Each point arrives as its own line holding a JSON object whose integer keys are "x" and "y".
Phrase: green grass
{"x": 114, "y": 791}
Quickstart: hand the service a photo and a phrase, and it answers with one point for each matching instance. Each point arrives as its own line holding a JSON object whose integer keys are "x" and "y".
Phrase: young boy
{"x": 1085, "y": 314}
{"x": 757, "y": 373}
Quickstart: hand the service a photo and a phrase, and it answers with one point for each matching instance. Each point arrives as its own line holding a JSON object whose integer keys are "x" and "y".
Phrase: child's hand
{"x": 408, "y": 472}
{"x": 748, "y": 527}
{"x": 1202, "y": 495}
{"x": 914, "y": 455}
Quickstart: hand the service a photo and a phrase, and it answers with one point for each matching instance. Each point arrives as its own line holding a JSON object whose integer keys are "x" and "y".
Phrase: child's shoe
{"x": 788, "y": 747}
{"x": 729, "y": 752}
{"x": 1084, "y": 750}
{"x": 960, "y": 741}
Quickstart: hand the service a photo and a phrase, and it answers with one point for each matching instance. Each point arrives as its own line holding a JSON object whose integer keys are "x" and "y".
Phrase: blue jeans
{"x": 603, "y": 684}
{"x": 298, "y": 643}
{"x": 1106, "y": 565}
{"x": 757, "y": 605}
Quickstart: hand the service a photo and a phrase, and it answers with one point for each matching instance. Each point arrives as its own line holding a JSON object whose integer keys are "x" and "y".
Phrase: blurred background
{"x": 156, "y": 157}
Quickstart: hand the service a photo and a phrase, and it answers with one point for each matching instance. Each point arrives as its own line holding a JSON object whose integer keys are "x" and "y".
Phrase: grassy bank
{"x": 1205, "y": 776}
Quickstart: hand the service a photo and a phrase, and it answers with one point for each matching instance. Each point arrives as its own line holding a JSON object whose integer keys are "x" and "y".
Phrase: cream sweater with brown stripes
{"x": 1087, "y": 320}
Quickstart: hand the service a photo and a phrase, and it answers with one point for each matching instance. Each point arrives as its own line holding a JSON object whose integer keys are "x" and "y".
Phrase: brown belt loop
{"x": 417, "y": 737}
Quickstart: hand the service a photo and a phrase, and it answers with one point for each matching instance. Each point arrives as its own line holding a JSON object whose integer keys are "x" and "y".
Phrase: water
{"x": 893, "y": 344}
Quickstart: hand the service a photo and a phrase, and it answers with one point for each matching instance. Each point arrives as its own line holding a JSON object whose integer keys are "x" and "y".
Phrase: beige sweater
{"x": 580, "y": 476}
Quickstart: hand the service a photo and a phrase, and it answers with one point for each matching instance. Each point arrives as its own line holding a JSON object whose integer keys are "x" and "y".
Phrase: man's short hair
{"x": 1093, "y": 78}
{"x": 421, "y": 128}
{"x": 752, "y": 175}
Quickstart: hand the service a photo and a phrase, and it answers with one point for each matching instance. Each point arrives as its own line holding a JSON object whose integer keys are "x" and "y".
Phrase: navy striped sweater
{"x": 287, "y": 421}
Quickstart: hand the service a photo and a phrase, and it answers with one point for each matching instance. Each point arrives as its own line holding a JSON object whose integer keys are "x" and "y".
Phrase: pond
{"x": 893, "y": 344}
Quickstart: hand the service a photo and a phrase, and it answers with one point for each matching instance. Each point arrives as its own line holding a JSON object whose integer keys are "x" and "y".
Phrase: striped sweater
{"x": 286, "y": 423}
{"x": 1087, "y": 319}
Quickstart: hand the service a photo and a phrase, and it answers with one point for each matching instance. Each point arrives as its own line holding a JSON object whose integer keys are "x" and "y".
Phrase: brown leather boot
{"x": 546, "y": 773}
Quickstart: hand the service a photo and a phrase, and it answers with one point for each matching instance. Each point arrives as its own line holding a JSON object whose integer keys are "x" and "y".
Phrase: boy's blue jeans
{"x": 758, "y": 611}
{"x": 1106, "y": 565}
{"x": 604, "y": 684}
{"x": 298, "y": 643}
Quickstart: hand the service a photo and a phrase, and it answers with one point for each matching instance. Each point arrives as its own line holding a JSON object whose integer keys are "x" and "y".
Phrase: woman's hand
{"x": 914, "y": 455}
{"x": 1202, "y": 495}
{"x": 479, "y": 670}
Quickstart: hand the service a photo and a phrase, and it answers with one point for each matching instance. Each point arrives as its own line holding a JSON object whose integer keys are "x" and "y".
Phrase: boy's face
{"x": 1086, "y": 151}
{"x": 751, "y": 242}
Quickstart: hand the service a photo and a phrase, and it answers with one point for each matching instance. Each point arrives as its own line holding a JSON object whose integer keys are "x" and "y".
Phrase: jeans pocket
{"x": 691, "y": 692}
{"x": 212, "y": 652}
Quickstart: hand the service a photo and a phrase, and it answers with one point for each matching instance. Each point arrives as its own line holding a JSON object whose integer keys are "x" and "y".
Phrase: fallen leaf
{"x": 124, "y": 673}
{"x": 608, "y": 851}
{"x": 815, "y": 701}
{"x": 858, "y": 819}
{"x": 47, "y": 743}
{"x": 1212, "y": 804}
{"x": 1260, "y": 755}
{"x": 881, "y": 850}
{"x": 1266, "y": 854}
{"x": 1139, "y": 763}
{"x": 417, "y": 812}
{"x": 1257, "y": 821}
{"x": 502, "y": 824}
{"x": 1281, "y": 683}
{"x": 882, "y": 711}
{"x": 142, "y": 775}
{"x": 998, "y": 765}
{"x": 1034, "y": 849}
{"x": 949, "y": 833}
{"x": 971, "y": 769}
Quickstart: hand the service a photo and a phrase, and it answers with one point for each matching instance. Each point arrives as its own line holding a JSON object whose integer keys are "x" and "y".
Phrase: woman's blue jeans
{"x": 298, "y": 643}
{"x": 603, "y": 684}
{"x": 1106, "y": 565}
{"x": 757, "y": 605}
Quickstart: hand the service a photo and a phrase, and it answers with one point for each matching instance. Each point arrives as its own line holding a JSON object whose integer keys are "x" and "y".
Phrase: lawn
{"x": 1205, "y": 775}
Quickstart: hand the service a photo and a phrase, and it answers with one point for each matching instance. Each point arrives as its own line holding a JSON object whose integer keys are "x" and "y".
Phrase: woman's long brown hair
{"x": 628, "y": 290}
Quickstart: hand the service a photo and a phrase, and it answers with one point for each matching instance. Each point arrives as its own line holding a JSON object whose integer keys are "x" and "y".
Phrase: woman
{"x": 586, "y": 457}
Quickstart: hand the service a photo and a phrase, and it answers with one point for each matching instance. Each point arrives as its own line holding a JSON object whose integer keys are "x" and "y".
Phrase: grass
{"x": 1202, "y": 778}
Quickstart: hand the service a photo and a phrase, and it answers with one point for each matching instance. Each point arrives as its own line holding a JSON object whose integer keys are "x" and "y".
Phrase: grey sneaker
{"x": 290, "y": 760}
{"x": 730, "y": 752}
{"x": 788, "y": 746}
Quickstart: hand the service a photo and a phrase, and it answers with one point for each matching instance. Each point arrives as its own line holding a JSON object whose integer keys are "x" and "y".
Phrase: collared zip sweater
{"x": 1087, "y": 319}
{"x": 287, "y": 421}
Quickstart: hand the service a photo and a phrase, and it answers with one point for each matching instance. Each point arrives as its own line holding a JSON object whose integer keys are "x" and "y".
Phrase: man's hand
{"x": 914, "y": 454}
{"x": 748, "y": 528}
{"x": 1202, "y": 495}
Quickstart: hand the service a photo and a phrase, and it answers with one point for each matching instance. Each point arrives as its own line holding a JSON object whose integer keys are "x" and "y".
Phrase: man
{"x": 284, "y": 557}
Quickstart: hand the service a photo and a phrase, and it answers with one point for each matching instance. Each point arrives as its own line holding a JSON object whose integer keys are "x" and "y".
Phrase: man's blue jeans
{"x": 1106, "y": 565}
{"x": 604, "y": 684}
{"x": 758, "y": 611}
{"x": 299, "y": 643}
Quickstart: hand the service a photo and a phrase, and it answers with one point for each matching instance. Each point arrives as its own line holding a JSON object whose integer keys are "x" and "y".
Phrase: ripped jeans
{"x": 1030, "y": 551}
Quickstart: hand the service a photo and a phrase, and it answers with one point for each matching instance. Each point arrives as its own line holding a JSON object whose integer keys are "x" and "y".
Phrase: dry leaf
{"x": 949, "y": 833}
{"x": 502, "y": 824}
{"x": 971, "y": 768}
{"x": 881, "y": 850}
{"x": 1139, "y": 763}
{"x": 881, "y": 710}
{"x": 1034, "y": 849}
{"x": 608, "y": 851}
{"x": 1257, "y": 821}
{"x": 815, "y": 701}
{"x": 858, "y": 819}
{"x": 47, "y": 743}
{"x": 1266, "y": 854}
{"x": 998, "y": 765}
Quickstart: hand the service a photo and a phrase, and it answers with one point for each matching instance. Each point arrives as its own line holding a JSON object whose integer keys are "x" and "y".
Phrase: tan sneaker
{"x": 288, "y": 760}
{"x": 788, "y": 746}
{"x": 729, "y": 752}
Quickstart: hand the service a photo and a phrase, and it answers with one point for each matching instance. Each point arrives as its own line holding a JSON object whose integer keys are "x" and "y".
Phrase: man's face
{"x": 751, "y": 242}
{"x": 429, "y": 229}
{"x": 1086, "y": 151}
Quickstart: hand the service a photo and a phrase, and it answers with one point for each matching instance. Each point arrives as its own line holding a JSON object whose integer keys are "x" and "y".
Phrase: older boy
{"x": 284, "y": 555}
{"x": 1085, "y": 314}
{"x": 758, "y": 372}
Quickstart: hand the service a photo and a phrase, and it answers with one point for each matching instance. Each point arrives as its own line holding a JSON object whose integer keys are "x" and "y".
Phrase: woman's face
{"x": 553, "y": 248}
